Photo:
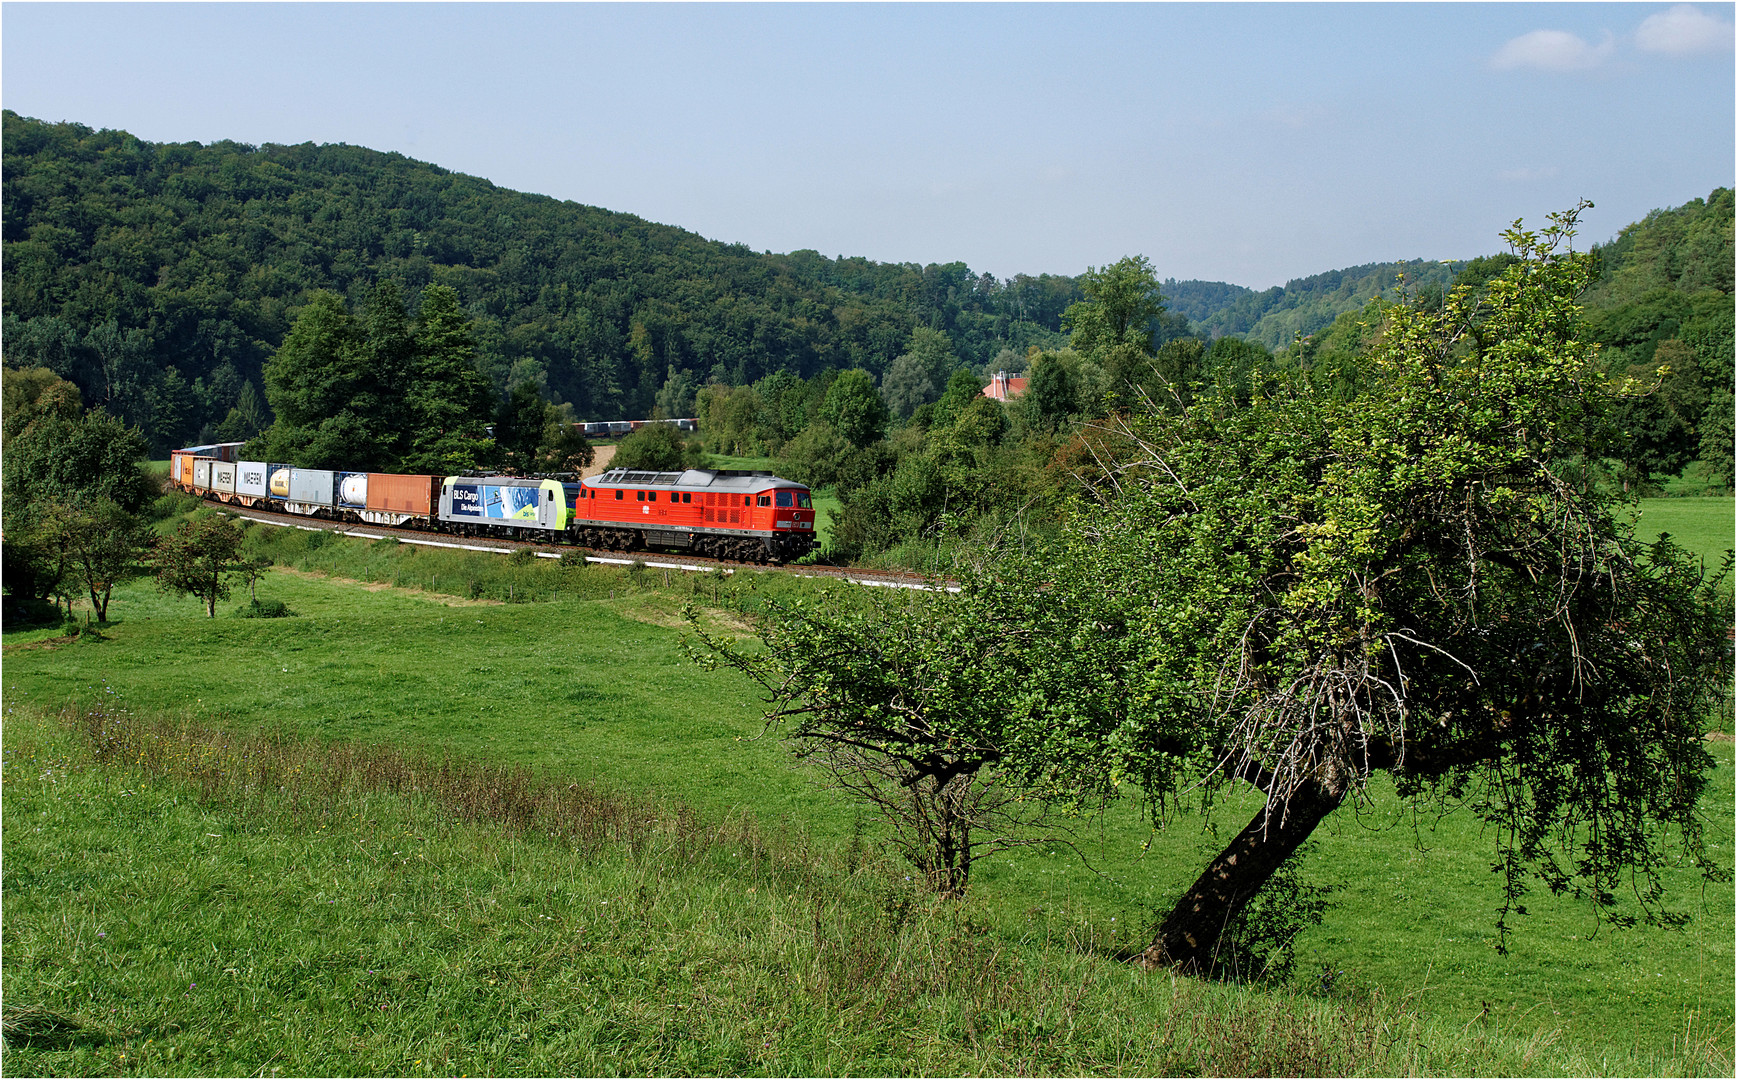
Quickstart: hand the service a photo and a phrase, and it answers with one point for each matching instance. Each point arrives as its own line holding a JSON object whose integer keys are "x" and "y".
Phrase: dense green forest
{"x": 163, "y": 280}
{"x": 160, "y": 278}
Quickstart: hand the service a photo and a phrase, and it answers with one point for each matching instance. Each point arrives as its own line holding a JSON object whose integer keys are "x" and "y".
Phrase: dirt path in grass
{"x": 599, "y": 464}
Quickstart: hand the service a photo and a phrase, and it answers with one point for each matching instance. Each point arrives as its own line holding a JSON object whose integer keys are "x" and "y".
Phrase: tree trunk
{"x": 1188, "y": 937}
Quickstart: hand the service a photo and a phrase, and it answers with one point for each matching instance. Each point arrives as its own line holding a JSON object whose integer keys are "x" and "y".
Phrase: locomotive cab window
{"x": 765, "y": 500}
{"x": 784, "y": 498}
{"x": 803, "y": 501}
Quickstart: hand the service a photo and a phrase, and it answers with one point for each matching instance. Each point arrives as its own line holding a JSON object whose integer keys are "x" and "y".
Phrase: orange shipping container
{"x": 400, "y": 494}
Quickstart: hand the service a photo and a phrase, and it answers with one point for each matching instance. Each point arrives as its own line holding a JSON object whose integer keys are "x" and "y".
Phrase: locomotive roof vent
{"x": 721, "y": 479}
{"x": 631, "y": 476}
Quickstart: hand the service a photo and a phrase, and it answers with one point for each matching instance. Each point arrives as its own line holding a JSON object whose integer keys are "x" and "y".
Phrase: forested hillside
{"x": 160, "y": 277}
{"x": 1302, "y": 306}
{"x": 1662, "y": 310}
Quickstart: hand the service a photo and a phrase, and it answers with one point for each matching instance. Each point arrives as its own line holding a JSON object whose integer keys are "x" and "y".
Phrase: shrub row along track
{"x": 503, "y": 546}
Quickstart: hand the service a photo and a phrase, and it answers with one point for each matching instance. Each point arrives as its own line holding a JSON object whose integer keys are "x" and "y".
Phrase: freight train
{"x": 726, "y": 514}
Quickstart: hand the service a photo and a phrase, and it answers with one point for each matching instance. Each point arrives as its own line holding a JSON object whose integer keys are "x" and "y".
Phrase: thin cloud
{"x": 1683, "y": 30}
{"x": 1552, "y": 50}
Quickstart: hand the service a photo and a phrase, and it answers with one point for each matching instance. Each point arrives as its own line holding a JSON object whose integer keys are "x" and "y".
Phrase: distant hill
{"x": 124, "y": 259}
{"x": 159, "y": 277}
{"x": 1664, "y": 302}
{"x": 1301, "y": 306}
{"x": 1687, "y": 249}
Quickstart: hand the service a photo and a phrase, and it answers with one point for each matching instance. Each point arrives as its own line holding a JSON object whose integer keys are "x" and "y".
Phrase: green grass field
{"x": 1704, "y": 525}
{"x": 458, "y": 954}
{"x": 589, "y": 685}
{"x": 185, "y": 902}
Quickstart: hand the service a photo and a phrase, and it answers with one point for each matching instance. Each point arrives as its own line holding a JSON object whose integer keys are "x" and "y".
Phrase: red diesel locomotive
{"x": 750, "y": 516}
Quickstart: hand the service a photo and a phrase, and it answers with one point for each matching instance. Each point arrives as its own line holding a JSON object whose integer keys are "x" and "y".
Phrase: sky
{"x": 1249, "y": 143}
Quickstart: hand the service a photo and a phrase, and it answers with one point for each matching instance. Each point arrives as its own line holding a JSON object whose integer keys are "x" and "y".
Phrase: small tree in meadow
{"x": 104, "y": 545}
{"x": 199, "y": 558}
{"x": 908, "y": 704}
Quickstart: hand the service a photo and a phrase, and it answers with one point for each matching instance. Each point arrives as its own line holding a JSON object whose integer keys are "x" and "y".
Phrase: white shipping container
{"x": 201, "y": 473}
{"x": 250, "y": 479}
{"x": 312, "y": 486}
{"x": 223, "y": 476}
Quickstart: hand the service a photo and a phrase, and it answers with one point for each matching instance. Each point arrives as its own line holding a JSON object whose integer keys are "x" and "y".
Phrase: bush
{"x": 172, "y": 504}
{"x": 18, "y": 612}
{"x": 657, "y": 448}
{"x": 263, "y": 609}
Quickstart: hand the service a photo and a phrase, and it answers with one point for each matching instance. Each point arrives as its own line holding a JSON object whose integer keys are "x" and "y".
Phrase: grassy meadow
{"x": 472, "y": 814}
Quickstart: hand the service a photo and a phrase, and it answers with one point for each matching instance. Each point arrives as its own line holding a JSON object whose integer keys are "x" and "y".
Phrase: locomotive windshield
{"x": 793, "y": 498}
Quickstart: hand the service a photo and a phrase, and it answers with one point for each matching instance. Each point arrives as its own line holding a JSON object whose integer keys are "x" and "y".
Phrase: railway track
{"x": 496, "y": 545}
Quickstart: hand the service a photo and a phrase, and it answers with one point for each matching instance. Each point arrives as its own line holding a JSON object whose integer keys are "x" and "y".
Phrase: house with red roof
{"x": 1004, "y": 387}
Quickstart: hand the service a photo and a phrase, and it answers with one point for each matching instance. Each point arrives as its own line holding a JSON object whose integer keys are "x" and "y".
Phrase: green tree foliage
{"x": 72, "y": 485}
{"x": 919, "y": 374}
{"x": 1063, "y": 387}
{"x": 1685, "y": 250}
{"x": 731, "y": 419}
{"x": 1300, "y": 583}
{"x": 35, "y": 564}
{"x": 537, "y": 437}
{"x": 56, "y": 452}
{"x": 1415, "y": 580}
{"x": 383, "y": 392}
{"x": 909, "y": 707}
{"x": 657, "y": 448}
{"x": 963, "y": 387}
{"x": 246, "y": 418}
{"x": 102, "y": 545}
{"x": 34, "y": 394}
{"x": 310, "y": 383}
{"x": 815, "y": 456}
{"x": 565, "y": 449}
{"x": 1664, "y": 317}
{"x": 199, "y": 558}
{"x": 519, "y": 427}
{"x": 677, "y": 400}
{"x": 1052, "y": 393}
{"x": 854, "y": 409}
{"x": 449, "y": 396}
{"x": 1113, "y": 326}
{"x": 784, "y": 408}
{"x": 172, "y": 411}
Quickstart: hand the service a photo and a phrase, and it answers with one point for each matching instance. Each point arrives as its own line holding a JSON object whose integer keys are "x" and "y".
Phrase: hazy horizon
{"x": 1250, "y": 144}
